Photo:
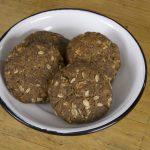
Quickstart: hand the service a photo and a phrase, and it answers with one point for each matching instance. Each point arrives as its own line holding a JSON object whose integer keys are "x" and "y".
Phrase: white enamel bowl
{"x": 127, "y": 87}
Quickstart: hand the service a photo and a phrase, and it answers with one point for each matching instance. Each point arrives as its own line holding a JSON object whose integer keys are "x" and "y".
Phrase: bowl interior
{"x": 70, "y": 23}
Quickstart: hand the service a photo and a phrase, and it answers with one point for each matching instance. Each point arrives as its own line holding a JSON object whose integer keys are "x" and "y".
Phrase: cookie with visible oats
{"x": 79, "y": 93}
{"x": 27, "y": 70}
{"x": 46, "y": 37}
{"x": 95, "y": 48}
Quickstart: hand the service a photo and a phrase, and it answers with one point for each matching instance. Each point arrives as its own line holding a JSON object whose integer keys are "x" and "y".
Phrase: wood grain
{"x": 131, "y": 133}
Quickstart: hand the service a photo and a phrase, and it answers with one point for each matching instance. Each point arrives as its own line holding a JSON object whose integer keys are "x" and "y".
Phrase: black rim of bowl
{"x": 89, "y": 130}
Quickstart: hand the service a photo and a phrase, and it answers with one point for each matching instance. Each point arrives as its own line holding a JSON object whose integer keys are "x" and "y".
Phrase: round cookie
{"x": 95, "y": 48}
{"x": 79, "y": 93}
{"x": 46, "y": 37}
{"x": 27, "y": 70}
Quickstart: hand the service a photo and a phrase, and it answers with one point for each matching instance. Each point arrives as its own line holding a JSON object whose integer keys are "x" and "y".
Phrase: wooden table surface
{"x": 131, "y": 133}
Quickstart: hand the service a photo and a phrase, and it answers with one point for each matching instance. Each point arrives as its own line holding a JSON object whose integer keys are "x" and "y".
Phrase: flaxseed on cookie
{"x": 79, "y": 93}
{"x": 97, "y": 49}
{"x": 28, "y": 69}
